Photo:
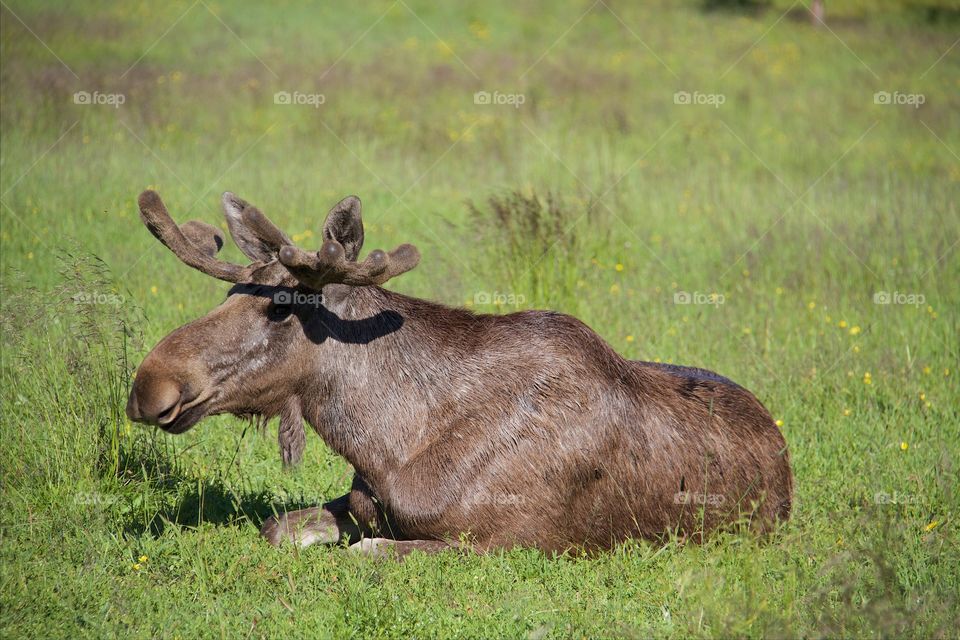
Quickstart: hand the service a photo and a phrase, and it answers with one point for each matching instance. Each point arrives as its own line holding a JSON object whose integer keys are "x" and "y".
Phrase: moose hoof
{"x": 302, "y": 528}
{"x": 273, "y": 531}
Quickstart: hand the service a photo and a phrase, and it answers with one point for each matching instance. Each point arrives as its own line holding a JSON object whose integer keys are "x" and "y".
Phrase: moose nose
{"x": 155, "y": 403}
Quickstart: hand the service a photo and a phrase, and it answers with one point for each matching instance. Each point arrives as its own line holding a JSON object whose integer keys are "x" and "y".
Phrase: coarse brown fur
{"x": 522, "y": 429}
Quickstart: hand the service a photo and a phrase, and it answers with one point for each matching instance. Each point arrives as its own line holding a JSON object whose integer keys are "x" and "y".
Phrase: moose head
{"x": 252, "y": 354}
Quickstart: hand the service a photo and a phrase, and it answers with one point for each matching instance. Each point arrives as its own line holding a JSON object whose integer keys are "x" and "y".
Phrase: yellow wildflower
{"x": 854, "y": 330}
{"x": 444, "y": 49}
{"x": 480, "y": 30}
{"x": 904, "y": 446}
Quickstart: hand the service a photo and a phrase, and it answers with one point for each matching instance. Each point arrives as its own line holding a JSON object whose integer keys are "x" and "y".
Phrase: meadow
{"x": 738, "y": 191}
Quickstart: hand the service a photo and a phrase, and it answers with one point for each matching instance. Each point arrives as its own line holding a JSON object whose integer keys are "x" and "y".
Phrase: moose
{"x": 464, "y": 430}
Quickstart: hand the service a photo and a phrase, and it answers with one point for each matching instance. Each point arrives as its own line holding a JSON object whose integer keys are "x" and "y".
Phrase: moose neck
{"x": 383, "y": 370}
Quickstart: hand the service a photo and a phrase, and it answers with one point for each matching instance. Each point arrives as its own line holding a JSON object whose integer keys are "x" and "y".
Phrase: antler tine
{"x": 264, "y": 228}
{"x": 330, "y": 266}
{"x": 157, "y": 219}
{"x": 256, "y": 236}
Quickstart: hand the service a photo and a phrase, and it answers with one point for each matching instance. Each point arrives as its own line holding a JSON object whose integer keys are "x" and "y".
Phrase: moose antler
{"x": 258, "y": 238}
{"x": 330, "y": 265}
{"x": 195, "y": 243}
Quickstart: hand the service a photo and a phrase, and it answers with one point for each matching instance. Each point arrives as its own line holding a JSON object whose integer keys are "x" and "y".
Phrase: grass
{"x": 795, "y": 201}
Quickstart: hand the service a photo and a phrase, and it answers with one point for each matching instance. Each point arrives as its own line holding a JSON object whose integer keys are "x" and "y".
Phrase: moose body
{"x": 522, "y": 429}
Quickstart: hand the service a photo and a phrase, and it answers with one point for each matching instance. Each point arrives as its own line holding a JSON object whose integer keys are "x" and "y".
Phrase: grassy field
{"x": 630, "y": 159}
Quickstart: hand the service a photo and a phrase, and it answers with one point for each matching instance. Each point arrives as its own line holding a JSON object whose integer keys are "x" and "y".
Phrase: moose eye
{"x": 279, "y": 311}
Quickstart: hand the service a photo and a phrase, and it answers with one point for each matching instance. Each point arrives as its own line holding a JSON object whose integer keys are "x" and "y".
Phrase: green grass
{"x": 797, "y": 200}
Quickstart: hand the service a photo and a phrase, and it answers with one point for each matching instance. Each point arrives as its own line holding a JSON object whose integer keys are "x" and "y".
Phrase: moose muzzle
{"x": 155, "y": 401}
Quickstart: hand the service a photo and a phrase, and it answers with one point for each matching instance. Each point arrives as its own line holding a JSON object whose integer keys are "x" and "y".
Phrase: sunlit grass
{"x": 753, "y": 239}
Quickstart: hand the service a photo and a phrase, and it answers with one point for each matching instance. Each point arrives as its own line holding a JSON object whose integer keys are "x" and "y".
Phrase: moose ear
{"x": 344, "y": 225}
{"x": 256, "y": 236}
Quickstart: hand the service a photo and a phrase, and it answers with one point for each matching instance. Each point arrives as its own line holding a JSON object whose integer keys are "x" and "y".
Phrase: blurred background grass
{"x": 795, "y": 201}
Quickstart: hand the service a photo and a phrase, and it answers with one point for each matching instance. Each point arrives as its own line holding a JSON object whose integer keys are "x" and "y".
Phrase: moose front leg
{"x": 387, "y": 548}
{"x": 326, "y": 524}
{"x": 350, "y": 517}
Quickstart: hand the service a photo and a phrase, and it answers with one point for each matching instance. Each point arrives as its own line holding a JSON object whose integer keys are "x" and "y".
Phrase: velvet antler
{"x": 330, "y": 266}
{"x": 195, "y": 243}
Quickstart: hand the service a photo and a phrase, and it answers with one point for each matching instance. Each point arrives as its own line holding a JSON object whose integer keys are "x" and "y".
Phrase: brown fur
{"x": 522, "y": 429}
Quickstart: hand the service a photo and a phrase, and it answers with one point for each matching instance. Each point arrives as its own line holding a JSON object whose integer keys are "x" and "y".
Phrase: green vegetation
{"x": 786, "y": 190}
